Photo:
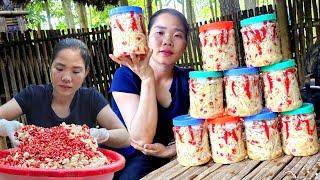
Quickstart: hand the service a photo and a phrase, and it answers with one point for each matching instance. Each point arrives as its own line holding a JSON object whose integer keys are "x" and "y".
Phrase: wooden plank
{"x": 295, "y": 170}
{"x": 194, "y": 171}
{"x": 308, "y": 166}
{"x": 289, "y": 166}
{"x": 314, "y": 171}
{"x": 256, "y": 170}
{"x": 273, "y": 168}
{"x": 246, "y": 169}
{"x": 158, "y": 172}
{"x": 172, "y": 172}
{"x": 208, "y": 171}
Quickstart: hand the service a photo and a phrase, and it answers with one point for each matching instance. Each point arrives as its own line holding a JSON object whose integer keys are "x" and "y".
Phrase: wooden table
{"x": 286, "y": 167}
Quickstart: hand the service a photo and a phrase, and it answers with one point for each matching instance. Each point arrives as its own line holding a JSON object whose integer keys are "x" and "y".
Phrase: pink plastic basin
{"x": 100, "y": 173}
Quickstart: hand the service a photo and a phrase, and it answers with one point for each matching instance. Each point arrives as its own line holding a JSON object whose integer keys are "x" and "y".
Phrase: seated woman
{"x": 148, "y": 93}
{"x": 64, "y": 100}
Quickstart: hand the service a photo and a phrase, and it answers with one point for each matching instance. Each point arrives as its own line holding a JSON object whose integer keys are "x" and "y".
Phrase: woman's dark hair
{"x": 172, "y": 12}
{"x": 71, "y": 43}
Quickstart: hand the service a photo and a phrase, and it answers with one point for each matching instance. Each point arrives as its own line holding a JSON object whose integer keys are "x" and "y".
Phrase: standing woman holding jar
{"x": 149, "y": 91}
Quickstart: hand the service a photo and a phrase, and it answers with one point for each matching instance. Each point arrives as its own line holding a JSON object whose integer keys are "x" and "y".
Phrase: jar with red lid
{"x": 218, "y": 46}
{"x": 192, "y": 142}
{"x": 226, "y": 139}
{"x": 243, "y": 91}
{"x": 299, "y": 131}
{"x": 128, "y": 31}
{"x": 263, "y": 136}
{"x": 261, "y": 40}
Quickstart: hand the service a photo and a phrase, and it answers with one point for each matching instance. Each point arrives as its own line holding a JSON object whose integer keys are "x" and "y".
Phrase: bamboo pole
{"x": 283, "y": 28}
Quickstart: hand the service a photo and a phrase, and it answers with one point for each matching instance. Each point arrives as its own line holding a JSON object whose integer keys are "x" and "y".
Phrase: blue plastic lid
{"x": 284, "y": 64}
{"x": 306, "y": 108}
{"x": 186, "y": 120}
{"x": 204, "y": 74}
{"x": 241, "y": 71}
{"x": 265, "y": 114}
{"x": 258, "y": 19}
{"x": 125, "y": 9}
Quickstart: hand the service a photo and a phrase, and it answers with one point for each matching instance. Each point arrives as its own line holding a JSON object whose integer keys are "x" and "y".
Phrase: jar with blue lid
{"x": 281, "y": 89}
{"x": 262, "y": 136}
{"x": 192, "y": 142}
{"x": 128, "y": 31}
{"x": 261, "y": 40}
{"x": 243, "y": 91}
{"x": 299, "y": 131}
{"x": 206, "y": 93}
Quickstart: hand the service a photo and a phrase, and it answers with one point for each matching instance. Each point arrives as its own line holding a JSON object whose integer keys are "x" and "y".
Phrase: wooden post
{"x": 283, "y": 28}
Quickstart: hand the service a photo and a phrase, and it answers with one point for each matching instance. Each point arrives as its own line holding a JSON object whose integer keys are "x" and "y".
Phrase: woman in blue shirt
{"x": 147, "y": 93}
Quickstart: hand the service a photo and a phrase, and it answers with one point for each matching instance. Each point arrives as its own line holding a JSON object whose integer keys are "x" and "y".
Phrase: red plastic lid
{"x": 223, "y": 119}
{"x": 117, "y": 164}
{"x": 216, "y": 25}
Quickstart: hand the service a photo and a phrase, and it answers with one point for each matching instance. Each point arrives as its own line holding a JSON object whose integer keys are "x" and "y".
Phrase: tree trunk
{"x": 250, "y": 4}
{"x": 228, "y": 7}
{"x": 283, "y": 28}
{"x": 82, "y": 15}
{"x": 190, "y": 12}
{"x": 47, "y": 9}
{"x": 149, "y": 8}
{"x": 211, "y": 9}
{"x": 66, "y": 5}
{"x": 123, "y": 3}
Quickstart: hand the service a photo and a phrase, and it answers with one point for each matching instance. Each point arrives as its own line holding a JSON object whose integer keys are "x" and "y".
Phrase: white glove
{"x": 8, "y": 128}
{"x": 101, "y": 135}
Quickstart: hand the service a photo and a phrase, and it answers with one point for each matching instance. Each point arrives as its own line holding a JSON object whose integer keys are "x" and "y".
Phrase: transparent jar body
{"x": 261, "y": 44}
{"x": 206, "y": 97}
{"x": 263, "y": 139}
{"x": 227, "y": 145}
{"x": 299, "y": 134}
{"x": 281, "y": 90}
{"x": 128, "y": 34}
{"x": 243, "y": 95}
{"x": 192, "y": 144}
{"x": 218, "y": 49}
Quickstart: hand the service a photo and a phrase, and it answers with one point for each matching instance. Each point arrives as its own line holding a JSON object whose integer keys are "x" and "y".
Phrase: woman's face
{"x": 167, "y": 39}
{"x": 67, "y": 72}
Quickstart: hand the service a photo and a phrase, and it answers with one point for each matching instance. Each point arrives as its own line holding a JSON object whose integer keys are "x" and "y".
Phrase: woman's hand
{"x": 139, "y": 64}
{"x": 155, "y": 149}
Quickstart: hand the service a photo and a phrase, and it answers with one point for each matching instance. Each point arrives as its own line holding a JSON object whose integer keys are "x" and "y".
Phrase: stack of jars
{"x": 227, "y": 98}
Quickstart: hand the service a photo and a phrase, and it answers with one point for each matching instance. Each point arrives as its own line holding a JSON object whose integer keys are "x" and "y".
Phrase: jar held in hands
{"x": 128, "y": 31}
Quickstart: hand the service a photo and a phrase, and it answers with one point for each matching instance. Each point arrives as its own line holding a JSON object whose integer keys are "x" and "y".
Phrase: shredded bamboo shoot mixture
{"x": 59, "y": 147}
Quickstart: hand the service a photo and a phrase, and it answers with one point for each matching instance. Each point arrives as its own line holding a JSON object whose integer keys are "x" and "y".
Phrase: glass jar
{"x": 262, "y": 136}
{"x": 226, "y": 139}
{"x": 261, "y": 40}
{"x": 206, "y": 93}
{"x": 281, "y": 89}
{"x": 218, "y": 46}
{"x": 243, "y": 91}
{"x": 299, "y": 132}
{"x": 192, "y": 141}
{"x": 128, "y": 31}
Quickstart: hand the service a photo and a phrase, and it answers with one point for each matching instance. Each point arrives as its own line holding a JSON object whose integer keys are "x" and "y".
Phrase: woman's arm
{"x": 10, "y": 110}
{"x": 118, "y": 135}
{"x": 139, "y": 112}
